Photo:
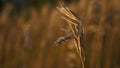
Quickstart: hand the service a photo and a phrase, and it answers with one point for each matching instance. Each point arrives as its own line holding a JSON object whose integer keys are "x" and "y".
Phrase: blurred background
{"x": 28, "y": 29}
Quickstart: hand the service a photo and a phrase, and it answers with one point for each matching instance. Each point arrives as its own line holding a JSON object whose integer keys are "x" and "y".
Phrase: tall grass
{"x": 75, "y": 31}
{"x": 26, "y": 40}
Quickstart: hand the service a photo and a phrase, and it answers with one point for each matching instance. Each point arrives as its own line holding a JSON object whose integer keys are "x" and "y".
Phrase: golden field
{"x": 27, "y": 39}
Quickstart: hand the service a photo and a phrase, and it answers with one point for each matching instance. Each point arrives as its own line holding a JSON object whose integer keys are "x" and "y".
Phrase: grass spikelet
{"x": 76, "y": 29}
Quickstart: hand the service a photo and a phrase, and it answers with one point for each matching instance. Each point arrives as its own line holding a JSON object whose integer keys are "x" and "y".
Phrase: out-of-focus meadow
{"x": 28, "y": 32}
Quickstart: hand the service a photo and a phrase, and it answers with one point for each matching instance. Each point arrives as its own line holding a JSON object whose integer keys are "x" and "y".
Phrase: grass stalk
{"x": 76, "y": 28}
